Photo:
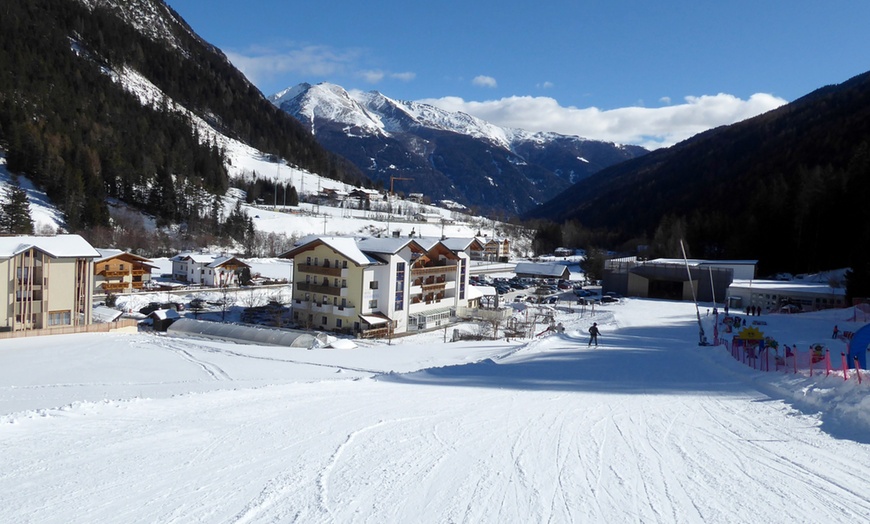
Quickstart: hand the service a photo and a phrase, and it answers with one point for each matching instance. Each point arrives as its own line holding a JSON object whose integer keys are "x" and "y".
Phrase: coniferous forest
{"x": 788, "y": 188}
{"x": 70, "y": 127}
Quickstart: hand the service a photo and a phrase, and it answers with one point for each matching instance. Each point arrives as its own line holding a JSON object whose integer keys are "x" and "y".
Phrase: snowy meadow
{"x": 648, "y": 427}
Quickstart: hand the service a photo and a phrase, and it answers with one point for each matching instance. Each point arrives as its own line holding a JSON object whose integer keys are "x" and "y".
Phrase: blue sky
{"x": 649, "y": 73}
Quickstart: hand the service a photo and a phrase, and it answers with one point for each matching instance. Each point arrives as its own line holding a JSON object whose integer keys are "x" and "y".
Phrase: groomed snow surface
{"x": 648, "y": 427}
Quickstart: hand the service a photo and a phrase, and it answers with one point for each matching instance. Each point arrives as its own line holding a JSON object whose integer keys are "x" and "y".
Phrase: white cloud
{"x": 648, "y": 127}
{"x": 665, "y": 100}
{"x": 407, "y": 76}
{"x": 545, "y": 85}
{"x": 261, "y": 64}
{"x": 484, "y": 81}
{"x": 372, "y": 77}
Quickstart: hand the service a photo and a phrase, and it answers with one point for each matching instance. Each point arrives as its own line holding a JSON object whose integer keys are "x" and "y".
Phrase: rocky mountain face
{"x": 419, "y": 148}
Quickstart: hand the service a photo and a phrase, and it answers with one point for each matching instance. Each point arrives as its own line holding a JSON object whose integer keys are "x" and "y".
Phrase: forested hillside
{"x": 71, "y": 127}
{"x": 789, "y": 188}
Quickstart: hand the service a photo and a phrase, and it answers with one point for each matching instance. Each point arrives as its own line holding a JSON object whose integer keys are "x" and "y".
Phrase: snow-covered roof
{"x": 458, "y": 244}
{"x": 197, "y": 257}
{"x": 485, "y": 291}
{"x": 694, "y": 262}
{"x": 106, "y": 254}
{"x": 163, "y": 314}
{"x": 66, "y": 246}
{"x": 789, "y": 286}
{"x": 105, "y": 314}
{"x": 221, "y": 260}
{"x": 347, "y": 246}
{"x": 390, "y": 245}
{"x": 547, "y": 270}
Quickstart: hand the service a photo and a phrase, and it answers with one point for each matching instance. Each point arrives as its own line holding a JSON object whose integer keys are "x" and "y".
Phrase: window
{"x": 323, "y": 320}
{"x": 338, "y": 322}
{"x": 336, "y": 263}
{"x": 344, "y": 264}
{"x": 122, "y": 267}
{"x": 308, "y": 260}
{"x": 336, "y": 282}
{"x": 343, "y": 282}
{"x": 59, "y": 318}
{"x": 373, "y": 304}
{"x": 316, "y": 261}
{"x": 307, "y": 279}
{"x": 400, "y": 286}
{"x": 373, "y": 284}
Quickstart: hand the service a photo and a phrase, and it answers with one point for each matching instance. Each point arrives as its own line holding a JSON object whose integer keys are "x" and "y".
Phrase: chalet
{"x": 496, "y": 250}
{"x": 206, "y": 269}
{"x": 333, "y": 195}
{"x": 376, "y": 286}
{"x": 48, "y": 282}
{"x": 117, "y": 271}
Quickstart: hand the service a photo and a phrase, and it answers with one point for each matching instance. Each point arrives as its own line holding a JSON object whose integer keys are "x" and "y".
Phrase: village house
{"x": 376, "y": 286}
{"x": 207, "y": 269}
{"x": 117, "y": 271}
{"x": 495, "y": 250}
{"x": 48, "y": 282}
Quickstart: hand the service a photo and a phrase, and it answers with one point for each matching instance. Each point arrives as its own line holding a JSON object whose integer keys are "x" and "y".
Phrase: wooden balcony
{"x": 319, "y": 288}
{"x": 319, "y": 270}
{"x": 115, "y": 286}
{"x": 432, "y": 270}
{"x": 431, "y": 288}
{"x": 116, "y": 273}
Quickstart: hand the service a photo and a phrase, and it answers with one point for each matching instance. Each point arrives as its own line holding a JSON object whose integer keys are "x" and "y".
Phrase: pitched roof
{"x": 545, "y": 270}
{"x": 106, "y": 254}
{"x": 221, "y": 260}
{"x": 68, "y": 246}
{"x": 346, "y": 246}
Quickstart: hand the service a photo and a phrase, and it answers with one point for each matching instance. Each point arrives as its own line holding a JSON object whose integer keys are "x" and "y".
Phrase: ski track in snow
{"x": 535, "y": 435}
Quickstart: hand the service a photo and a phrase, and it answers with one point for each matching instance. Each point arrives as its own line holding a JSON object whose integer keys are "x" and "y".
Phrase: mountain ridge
{"x": 449, "y": 155}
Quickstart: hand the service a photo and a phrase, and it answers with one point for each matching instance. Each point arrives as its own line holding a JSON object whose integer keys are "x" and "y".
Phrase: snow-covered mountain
{"x": 446, "y": 155}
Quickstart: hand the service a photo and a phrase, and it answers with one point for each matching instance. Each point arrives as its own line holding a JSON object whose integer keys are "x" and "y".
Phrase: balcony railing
{"x": 320, "y": 270}
{"x": 115, "y": 286}
{"x": 432, "y": 270}
{"x": 115, "y": 273}
{"x": 319, "y": 288}
{"x": 437, "y": 286}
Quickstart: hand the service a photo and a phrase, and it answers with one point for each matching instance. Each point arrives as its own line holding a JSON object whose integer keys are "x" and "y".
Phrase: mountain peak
{"x": 448, "y": 155}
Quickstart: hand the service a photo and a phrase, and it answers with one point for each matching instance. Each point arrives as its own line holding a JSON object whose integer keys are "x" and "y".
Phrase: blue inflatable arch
{"x": 858, "y": 347}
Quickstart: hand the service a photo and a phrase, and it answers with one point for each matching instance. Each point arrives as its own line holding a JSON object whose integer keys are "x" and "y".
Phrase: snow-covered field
{"x": 649, "y": 427}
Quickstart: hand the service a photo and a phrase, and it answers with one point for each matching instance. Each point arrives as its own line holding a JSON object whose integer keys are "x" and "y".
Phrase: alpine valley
{"x": 447, "y": 155}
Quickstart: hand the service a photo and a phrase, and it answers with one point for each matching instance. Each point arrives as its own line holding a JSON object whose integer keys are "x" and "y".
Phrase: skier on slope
{"x": 593, "y": 334}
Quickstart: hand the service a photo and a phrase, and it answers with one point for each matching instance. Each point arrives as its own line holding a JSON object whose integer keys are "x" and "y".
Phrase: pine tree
{"x": 15, "y": 212}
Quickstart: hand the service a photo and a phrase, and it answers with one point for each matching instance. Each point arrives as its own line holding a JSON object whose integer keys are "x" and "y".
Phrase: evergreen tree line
{"x": 78, "y": 135}
{"x": 786, "y": 188}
